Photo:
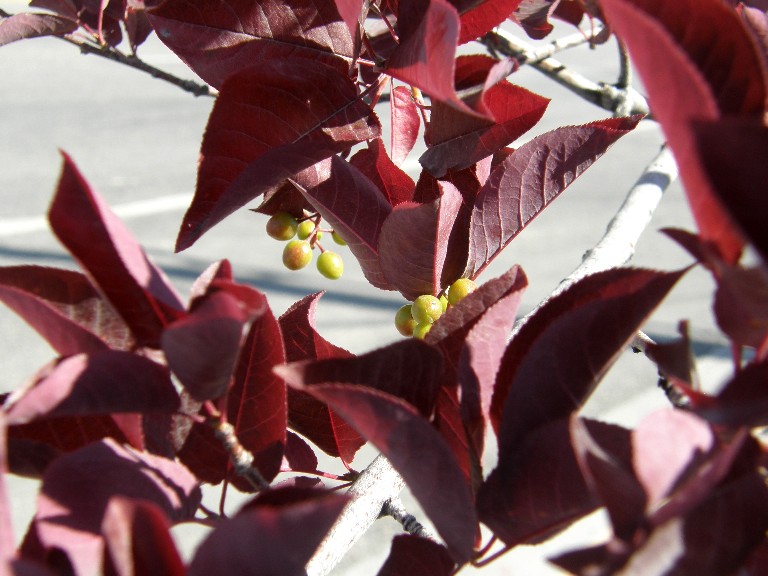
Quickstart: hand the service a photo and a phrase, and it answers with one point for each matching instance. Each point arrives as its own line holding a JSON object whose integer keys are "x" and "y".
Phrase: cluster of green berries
{"x": 302, "y": 236}
{"x": 416, "y": 319}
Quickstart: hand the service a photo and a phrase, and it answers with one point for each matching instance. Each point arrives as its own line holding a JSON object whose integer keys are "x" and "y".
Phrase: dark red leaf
{"x": 457, "y": 140}
{"x": 47, "y": 299}
{"x": 7, "y": 540}
{"x": 416, "y": 556}
{"x": 110, "y": 255}
{"x": 32, "y": 447}
{"x": 231, "y": 35}
{"x": 137, "y": 540}
{"x": 484, "y": 17}
{"x": 533, "y": 16}
{"x": 741, "y": 304}
{"x": 404, "y": 123}
{"x": 605, "y": 455}
{"x": 414, "y": 241}
{"x": 256, "y": 402}
{"x": 424, "y": 58}
{"x": 299, "y": 456}
{"x": 742, "y": 401}
{"x": 536, "y": 490}
{"x": 732, "y": 153}
{"x": 675, "y": 358}
{"x": 374, "y": 162}
{"x": 271, "y": 121}
{"x": 29, "y": 25}
{"x": 218, "y": 271}
{"x": 308, "y": 416}
{"x": 273, "y": 536}
{"x": 202, "y": 348}
{"x": 78, "y": 487}
{"x": 204, "y": 455}
{"x": 589, "y": 324}
{"x": 530, "y": 178}
{"x": 338, "y": 200}
{"x": 698, "y": 63}
{"x": 480, "y": 358}
{"x": 351, "y": 12}
{"x": 100, "y": 383}
{"x": 408, "y": 369}
{"x": 417, "y": 452}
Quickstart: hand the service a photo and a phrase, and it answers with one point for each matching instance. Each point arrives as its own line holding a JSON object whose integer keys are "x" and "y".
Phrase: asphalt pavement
{"x": 136, "y": 139}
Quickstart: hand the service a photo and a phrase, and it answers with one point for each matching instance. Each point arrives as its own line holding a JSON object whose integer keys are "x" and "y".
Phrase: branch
{"x": 394, "y": 508}
{"x": 87, "y": 46}
{"x": 137, "y": 63}
{"x": 617, "y": 245}
{"x": 376, "y": 485}
{"x": 606, "y": 96}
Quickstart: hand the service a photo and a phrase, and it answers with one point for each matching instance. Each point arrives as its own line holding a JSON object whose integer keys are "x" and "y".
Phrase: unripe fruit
{"x": 426, "y": 309}
{"x": 297, "y": 254}
{"x": 404, "y": 322}
{"x": 444, "y": 302}
{"x": 338, "y": 239}
{"x": 305, "y": 229}
{"x": 282, "y": 226}
{"x": 330, "y": 265}
{"x": 459, "y": 289}
{"x": 420, "y": 330}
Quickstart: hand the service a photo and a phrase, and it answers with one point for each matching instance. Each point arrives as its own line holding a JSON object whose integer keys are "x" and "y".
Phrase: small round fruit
{"x": 338, "y": 239}
{"x": 404, "y": 322}
{"x": 305, "y": 229}
{"x": 420, "y": 330}
{"x": 282, "y": 226}
{"x": 297, "y": 254}
{"x": 426, "y": 309}
{"x": 330, "y": 265}
{"x": 459, "y": 289}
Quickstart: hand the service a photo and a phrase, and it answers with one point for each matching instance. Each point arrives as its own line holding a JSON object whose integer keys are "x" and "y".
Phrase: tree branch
{"x": 606, "y": 96}
{"x": 375, "y": 486}
{"x": 394, "y": 508}
{"x": 617, "y": 245}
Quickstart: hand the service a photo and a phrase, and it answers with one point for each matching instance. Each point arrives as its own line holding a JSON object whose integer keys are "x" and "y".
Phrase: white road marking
{"x": 137, "y": 209}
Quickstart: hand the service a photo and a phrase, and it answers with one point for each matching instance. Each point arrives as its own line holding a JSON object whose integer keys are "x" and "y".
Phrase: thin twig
{"x": 136, "y": 63}
{"x": 604, "y": 95}
{"x": 394, "y": 508}
{"x": 242, "y": 459}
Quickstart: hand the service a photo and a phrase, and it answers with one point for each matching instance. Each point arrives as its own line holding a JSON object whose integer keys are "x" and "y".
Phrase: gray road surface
{"x": 136, "y": 140}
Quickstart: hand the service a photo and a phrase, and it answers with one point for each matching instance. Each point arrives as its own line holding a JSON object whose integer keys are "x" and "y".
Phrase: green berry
{"x": 305, "y": 229}
{"x": 420, "y": 330}
{"x": 330, "y": 265}
{"x": 426, "y": 309}
{"x": 297, "y": 254}
{"x": 282, "y": 226}
{"x": 459, "y": 289}
{"x": 404, "y": 322}
{"x": 338, "y": 239}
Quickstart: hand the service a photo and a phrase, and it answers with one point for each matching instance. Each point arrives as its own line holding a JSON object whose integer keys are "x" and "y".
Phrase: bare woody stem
{"x": 394, "y": 508}
{"x": 606, "y": 96}
{"x": 242, "y": 459}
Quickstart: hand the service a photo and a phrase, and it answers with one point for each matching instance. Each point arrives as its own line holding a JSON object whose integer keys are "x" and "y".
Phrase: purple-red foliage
{"x": 150, "y": 396}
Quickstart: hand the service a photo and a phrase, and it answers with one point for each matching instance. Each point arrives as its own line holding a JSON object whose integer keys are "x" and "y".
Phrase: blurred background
{"x": 136, "y": 140}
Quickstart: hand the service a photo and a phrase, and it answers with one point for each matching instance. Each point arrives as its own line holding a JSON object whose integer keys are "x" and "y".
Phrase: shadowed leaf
{"x": 404, "y": 122}
{"x": 697, "y": 63}
{"x": 104, "y": 382}
{"x": 417, "y": 452}
{"x": 110, "y": 255}
{"x": 415, "y": 556}
{"x": 274, "y": 535}
{"x": 227, "y": 36}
